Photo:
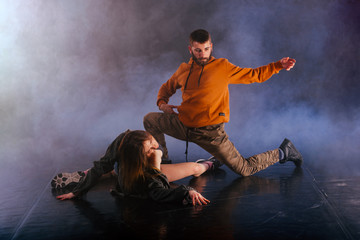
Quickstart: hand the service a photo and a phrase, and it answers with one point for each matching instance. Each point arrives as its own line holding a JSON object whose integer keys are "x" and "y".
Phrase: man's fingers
{"x": 172, "y": 107}
{"x": 288, "y": 60}
{"x": 288, "y": 63}
{"x": 166, "y": 108}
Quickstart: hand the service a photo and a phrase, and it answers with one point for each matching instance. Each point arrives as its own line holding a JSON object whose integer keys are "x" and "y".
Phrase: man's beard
{"x": 202, "y": 61}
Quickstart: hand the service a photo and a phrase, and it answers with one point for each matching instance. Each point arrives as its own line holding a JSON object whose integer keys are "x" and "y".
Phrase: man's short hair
{"x": 199, "y": 36}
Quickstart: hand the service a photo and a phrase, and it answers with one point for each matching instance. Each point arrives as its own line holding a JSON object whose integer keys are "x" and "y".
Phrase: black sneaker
{"x": 216, "y": 163}
{"x": 291, "y": 153}
{"x": 63, "y": 180}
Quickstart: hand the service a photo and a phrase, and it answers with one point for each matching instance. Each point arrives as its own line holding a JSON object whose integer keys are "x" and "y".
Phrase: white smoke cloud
{"x": 75, "y": 74}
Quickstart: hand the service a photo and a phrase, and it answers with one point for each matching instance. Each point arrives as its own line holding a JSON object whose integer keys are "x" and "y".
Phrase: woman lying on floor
{"x": 141, "y": 173}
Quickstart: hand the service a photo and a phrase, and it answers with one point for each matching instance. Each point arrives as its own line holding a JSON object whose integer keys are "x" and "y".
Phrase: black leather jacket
{"x": 156, "y": 188}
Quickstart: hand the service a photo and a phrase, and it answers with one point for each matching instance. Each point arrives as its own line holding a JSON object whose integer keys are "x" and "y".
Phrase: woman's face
{"x": 150, "y": 145}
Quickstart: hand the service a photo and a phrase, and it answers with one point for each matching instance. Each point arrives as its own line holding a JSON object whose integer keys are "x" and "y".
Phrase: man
{"x": 205, "y": 108}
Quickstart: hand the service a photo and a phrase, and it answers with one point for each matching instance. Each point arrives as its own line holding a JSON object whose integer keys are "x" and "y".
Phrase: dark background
{"x": 74, "y": 74}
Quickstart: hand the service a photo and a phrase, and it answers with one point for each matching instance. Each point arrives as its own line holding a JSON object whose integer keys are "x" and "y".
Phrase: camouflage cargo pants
{"x": 211, "y": 138}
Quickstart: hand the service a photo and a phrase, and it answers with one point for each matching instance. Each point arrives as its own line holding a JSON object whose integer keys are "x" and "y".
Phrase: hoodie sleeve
{"x": 169, "y": 88}
{"x": 238, "y": 75}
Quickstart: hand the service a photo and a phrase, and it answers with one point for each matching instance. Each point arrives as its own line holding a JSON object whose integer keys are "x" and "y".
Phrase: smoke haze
{"x": 74, "y": 74}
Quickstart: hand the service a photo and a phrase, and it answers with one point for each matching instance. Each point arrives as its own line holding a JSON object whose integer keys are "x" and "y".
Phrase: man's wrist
{"x": 161, "y": 103}
{"x": 279, "y": 65}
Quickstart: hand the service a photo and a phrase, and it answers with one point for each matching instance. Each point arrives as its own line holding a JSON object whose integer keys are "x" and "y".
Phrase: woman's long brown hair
{"x": 133, "y": 159}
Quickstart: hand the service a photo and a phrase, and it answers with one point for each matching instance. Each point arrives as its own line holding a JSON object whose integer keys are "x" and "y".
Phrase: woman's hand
{"x": 158, "y": 154}
{"x": 197, "y": 198}
{"x": 66, "y": 196}
{"x": 155, "y": 158}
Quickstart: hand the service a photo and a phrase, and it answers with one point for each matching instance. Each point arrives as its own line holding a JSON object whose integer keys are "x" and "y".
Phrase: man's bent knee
{"x": 150, "y": 119}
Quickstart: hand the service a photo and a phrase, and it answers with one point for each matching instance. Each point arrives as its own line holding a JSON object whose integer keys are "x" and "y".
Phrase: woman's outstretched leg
{"x": 178, "y": 171}
{"x": 181, "y": 170}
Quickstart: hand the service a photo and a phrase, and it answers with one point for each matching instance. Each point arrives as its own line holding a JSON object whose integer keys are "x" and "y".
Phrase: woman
{"x": 141, "y": 173}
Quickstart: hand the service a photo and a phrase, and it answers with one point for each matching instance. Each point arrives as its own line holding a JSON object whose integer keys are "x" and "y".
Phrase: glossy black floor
{"x": 281, "y": 202}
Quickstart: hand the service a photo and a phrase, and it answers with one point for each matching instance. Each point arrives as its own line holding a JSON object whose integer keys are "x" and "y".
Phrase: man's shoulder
{"x": 183, "y": 67}
{"x": 220, "y": 60}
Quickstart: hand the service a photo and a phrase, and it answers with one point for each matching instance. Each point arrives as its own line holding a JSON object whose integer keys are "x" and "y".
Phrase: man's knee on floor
{"x": 245, "y": 174}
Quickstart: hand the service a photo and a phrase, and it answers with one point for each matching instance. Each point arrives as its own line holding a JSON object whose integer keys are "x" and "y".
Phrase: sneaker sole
{"x": 63, "y": 180}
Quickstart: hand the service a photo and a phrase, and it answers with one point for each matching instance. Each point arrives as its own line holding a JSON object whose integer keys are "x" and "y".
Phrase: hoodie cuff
{"x": 160, "y": 101}
{"x": 278, "y": 66}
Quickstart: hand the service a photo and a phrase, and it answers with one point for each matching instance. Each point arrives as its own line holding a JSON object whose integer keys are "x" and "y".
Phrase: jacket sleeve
{"x": 163, "y": 193}
{"x": 103, "y": 166}
{"x": 169, "y": 88}
{"x": 238, "y": 75}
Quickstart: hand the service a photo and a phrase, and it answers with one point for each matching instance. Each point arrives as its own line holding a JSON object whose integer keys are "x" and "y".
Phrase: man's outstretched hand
{"x": 287, "y": 63}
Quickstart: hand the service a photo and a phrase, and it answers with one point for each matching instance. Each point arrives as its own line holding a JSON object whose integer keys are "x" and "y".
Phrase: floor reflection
{"x": 280, "y": 203}
{"x": 150, "y": 220}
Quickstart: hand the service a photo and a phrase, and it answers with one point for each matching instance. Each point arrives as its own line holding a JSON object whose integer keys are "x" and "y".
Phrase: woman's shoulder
{"x": 155, "y": 176}
{"x": 154, "y": 172}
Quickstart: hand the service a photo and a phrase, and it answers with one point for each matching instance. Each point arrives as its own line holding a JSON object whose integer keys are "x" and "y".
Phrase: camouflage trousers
{"x": 212, "y": 138}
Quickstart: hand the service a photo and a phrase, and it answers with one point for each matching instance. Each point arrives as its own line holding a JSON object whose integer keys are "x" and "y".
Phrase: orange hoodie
{"x": 205, "y": 92}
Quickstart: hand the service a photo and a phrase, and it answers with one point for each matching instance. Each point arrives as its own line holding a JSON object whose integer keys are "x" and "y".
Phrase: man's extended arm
{"x": 261, "y": 74}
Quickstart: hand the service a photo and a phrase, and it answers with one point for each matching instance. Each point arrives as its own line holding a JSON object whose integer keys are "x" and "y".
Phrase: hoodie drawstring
{"x": 202, "y": 69}
{"x": 187, "y": 144}
{"x": 187, "y": 79}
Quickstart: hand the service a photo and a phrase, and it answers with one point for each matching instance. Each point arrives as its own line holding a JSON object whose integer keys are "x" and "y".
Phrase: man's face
{"x": 201, "y": 52}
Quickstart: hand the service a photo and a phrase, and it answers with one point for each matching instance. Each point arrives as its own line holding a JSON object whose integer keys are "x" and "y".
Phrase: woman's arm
{"x": 101, "y": 167}
{"x": 159, "y": 190}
